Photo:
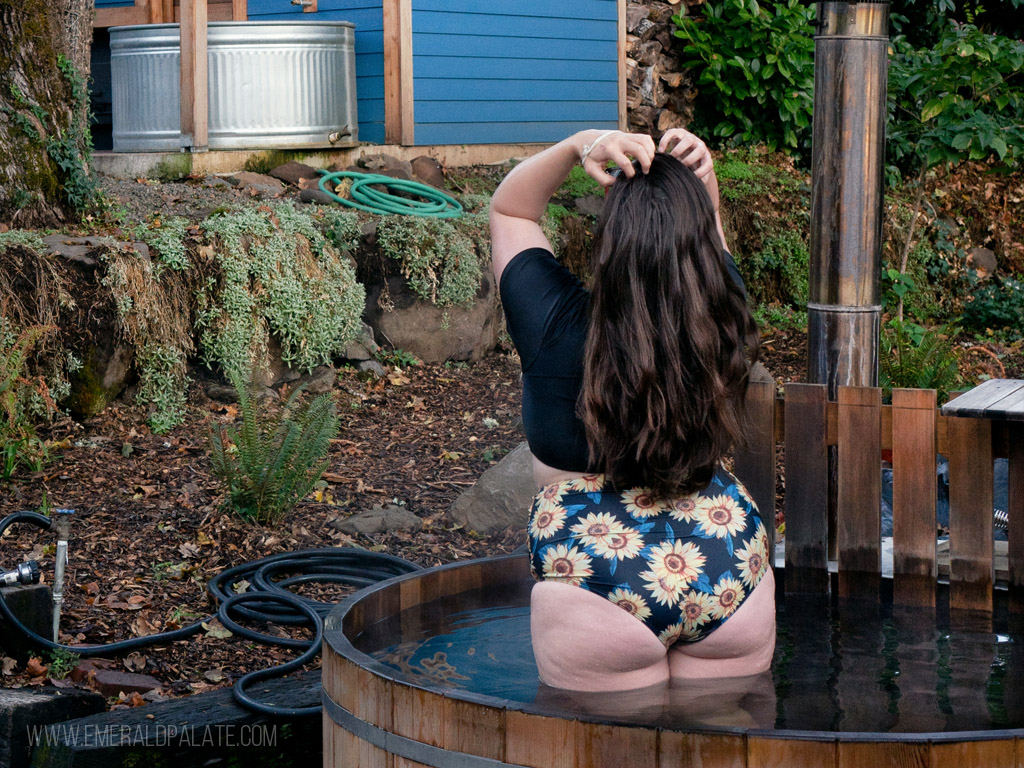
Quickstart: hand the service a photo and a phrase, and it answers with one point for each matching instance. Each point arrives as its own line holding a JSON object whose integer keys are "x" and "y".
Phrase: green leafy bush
{"x": 20, "y": 395}
{"x": 778, "y": 272}
{"x": 996, "y": 304}
{"x": 755, "y": 62}
{"x": 955, "y": 101}
{"x": 277, "y": 274}
{"x": 272, "y": 460}
{"x": 167, "y": 239}
{"x": 913, "y": 356}
{"x": 436, "y": 256}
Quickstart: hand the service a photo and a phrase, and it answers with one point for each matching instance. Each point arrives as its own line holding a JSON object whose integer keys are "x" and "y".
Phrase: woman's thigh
{"x": 583, "y": 642}
{"x": 742, "y": 645}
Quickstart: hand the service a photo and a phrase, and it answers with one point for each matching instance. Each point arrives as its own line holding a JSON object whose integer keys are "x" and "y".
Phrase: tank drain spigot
{"x": 62, "y": 526}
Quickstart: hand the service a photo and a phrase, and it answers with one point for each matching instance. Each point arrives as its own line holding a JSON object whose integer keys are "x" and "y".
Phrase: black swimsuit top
{"x": 546, "y": 312}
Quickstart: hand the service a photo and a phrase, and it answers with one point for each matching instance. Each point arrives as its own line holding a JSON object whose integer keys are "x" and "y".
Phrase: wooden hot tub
{"x": 375, "y": 716}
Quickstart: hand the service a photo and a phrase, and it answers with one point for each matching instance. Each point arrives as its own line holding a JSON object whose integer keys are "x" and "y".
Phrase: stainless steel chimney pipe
{"x": 847, "y": 153}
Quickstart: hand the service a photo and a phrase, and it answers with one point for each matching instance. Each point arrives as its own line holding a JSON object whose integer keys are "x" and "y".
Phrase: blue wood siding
{"x": 115, "y": 3}
{"x": 510, "y": 71}
{"x": 368, "y": 16}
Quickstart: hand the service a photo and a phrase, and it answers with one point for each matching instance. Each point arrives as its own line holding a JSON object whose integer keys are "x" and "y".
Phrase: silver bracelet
{"x": 588, "y": 148}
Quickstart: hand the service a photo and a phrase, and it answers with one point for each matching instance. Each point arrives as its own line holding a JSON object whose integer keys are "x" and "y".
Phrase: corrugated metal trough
{"x": 272, "y": 85}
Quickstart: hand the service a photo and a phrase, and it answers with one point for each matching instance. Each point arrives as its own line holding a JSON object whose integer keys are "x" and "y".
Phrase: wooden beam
{"x": 399, "y": 113}
{"x": 155, "y": 9}
{"x": 194, "y": 96}
{"x": 240, "y": 10}
{"x": 623, "y": 116}
{"x": 120, "y": 17}
{"x": 913, "y": 497}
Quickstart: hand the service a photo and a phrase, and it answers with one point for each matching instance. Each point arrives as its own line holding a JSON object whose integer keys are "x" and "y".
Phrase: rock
{"x": 277, "y": 372}
{"x": 396, "y": 173}
{"x": 591, "y": 205}
{"x": 316, "y": 196}
{"x": 379, "y": 520}
{"x": 380, "y": 163}
{"x": 258, "y": 181}
{"x": 427, "y": 170}
{"x": 111, "y": 682}
{"x": 105, "y": 371}
{"x": 221, "y": 393}
{"x": 310, "y": 183}
{"x": 501, "y": 498}
{"x": 320, "y": 380}
{"x": 294, "y": 173}
{"x": 363, "y": 347}
{"x": 435, "y": 334}
{"x": 983, "y": 260}
{"x": 74, "y": 248}
{"x": 372, "y": 366}
{"x": 760, "y": 373}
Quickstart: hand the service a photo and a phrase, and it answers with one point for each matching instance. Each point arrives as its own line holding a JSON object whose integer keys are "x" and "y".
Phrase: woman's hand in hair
{"x": 694, "y": 154}
{"x": 619, "y": 148}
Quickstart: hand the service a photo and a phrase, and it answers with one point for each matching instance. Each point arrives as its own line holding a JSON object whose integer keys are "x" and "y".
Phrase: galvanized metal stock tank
{"x": 282, "y": 85}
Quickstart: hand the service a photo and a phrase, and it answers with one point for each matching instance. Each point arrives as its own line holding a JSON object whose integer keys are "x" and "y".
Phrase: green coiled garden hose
{"x": 437, "y": 204}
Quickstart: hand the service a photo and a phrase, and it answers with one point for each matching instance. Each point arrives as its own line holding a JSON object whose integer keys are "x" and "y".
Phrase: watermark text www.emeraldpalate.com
{"x": 153, "y": 735}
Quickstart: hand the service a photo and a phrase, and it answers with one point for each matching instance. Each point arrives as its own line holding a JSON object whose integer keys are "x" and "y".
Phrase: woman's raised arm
{"x": 522, "y": 197}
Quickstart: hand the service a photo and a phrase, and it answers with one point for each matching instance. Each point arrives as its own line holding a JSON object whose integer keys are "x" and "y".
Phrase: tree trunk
{"x": 44, "y": 111}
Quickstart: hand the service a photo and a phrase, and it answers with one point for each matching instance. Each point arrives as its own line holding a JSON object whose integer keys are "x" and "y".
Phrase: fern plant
{"x": 272, "y": 460}
{"x": 22, "y": 396}
{"x": 919, "y": 358}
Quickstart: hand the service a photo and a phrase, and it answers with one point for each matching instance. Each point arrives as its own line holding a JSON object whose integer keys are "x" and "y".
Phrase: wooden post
{"x": 194, "y": 96}
{"x": 806, "y": 489}
{"x": 914, "y": 447}
{"x": 240, "y": 10}
{"x": 859, "y": 493}
{"x": 971, "y": 543}
{"x": 398, "y": 84}
{"x": 755, "y": 462}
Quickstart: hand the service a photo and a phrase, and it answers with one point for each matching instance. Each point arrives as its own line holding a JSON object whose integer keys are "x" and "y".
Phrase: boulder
{"x": 294, "y": 173}
{"x": 105, "y": 371}
{"x": 379, "y": 163}
{"x": 316, "y": 196}
{"x": 257, "y": 181}
{"x": 591, "y": 205}
{"x": 363, "y": 347}
{"x": 318, "y": 381}
{"x": 435, "y": 334}
{"x": 379, "y": 520}
{"x": 501, "y": 498}
{"x": 983, "y": 260}
{"x": 427, "y": 170}
{"x": 372, "y": 367}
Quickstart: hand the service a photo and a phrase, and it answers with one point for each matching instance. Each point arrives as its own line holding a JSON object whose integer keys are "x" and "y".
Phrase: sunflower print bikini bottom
{"x": 681, "y": 567}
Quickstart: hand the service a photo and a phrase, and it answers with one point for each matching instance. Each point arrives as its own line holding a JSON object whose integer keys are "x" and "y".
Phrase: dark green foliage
{"x": 960, "y": 99}
{"x": 778, "y": 272}
{"x": 756, "y": 64}
{"x": 272, "y": 460}
{"x": 919, "y": 358}
{"x": 997, "y": 304}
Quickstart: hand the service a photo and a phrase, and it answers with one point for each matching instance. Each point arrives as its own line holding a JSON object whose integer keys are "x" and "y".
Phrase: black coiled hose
{"x": 265, "y": 600}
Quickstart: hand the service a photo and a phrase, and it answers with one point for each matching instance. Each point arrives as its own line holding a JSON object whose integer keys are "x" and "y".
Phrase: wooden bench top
{"x": 995, "y": 399}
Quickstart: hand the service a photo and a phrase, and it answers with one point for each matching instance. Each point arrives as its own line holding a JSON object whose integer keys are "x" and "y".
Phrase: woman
{"x": 650, "y": 558}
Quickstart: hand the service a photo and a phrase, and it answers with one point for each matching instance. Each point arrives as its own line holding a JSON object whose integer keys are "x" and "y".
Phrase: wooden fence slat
{"x": 1016, "y": 515}
{"x": 914, "y": 496}
{"x": 859, "y": 494}
{"x": 971, "y": 543}
{"x": 755, "y": 462}
{"x": 806, "y": 488}
{"x": 763, "y": 752}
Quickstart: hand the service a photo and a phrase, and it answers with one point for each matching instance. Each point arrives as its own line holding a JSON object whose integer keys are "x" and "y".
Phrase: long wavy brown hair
{"x": 670, "y": 340}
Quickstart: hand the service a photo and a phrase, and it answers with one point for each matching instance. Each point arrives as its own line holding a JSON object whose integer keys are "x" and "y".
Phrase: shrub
{"x": 954, "y": 101}
{"x": 916, "y": 357}
{"x": 997, "y": 304}
{"x": 436, "y": 256}
{"x": 778, "y": 272}
{"x": 277, "y": 274}
{"x": 272, "y": 461}
{"x": 756, "y": 64}
{"x": 20, "y": 396}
